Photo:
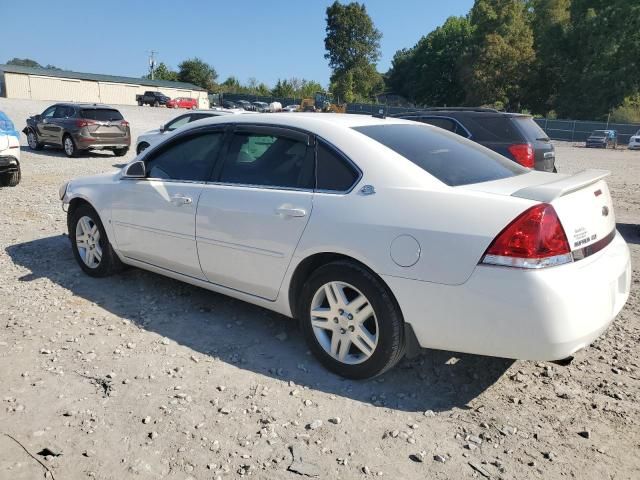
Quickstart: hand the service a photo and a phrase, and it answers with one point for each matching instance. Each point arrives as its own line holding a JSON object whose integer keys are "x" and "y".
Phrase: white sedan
{"x": 634, "y": 141}
{"x": 378, "y": 235}
{"x": 154, "y": 136}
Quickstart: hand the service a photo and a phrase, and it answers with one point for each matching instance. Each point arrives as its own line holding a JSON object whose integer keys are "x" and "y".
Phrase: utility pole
{"x": 152, "y": 62}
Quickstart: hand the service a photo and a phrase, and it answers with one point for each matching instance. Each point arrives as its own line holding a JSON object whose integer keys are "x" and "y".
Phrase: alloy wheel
{"x": 69, "y": 147}
{"x": 32, "y": 140}
{"x": 88, "y": 242}
{"x": 344, "y": 323}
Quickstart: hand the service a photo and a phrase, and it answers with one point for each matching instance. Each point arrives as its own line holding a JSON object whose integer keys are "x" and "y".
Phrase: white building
{"x": 64, "y": 86}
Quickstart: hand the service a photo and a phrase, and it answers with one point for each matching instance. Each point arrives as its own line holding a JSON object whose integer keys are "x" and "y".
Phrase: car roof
{"x": 462, "y": 113}
{"x": 84, "y": 105}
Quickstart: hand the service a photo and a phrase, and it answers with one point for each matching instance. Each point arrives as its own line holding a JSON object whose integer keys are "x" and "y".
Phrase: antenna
{"x": 152, "y": 62}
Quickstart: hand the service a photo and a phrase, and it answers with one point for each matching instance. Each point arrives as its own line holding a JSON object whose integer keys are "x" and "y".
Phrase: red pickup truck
{"x": 183, "y": 102}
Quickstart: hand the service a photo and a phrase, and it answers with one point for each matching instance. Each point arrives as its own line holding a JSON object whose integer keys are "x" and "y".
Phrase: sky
{"x": 264, "y": 39}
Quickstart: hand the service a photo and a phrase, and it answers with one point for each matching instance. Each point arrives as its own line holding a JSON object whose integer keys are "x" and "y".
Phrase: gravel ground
{"x": 140, "y": 376}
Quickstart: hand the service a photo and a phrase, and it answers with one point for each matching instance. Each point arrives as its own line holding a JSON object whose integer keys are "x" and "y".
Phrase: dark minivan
{"x": 79, "y": 127}
{"x": 514, "y": 135}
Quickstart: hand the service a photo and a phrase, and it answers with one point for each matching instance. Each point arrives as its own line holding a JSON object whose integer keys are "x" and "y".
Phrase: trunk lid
{"x": 582, "y": 201}
{"x": 105, "y": 123}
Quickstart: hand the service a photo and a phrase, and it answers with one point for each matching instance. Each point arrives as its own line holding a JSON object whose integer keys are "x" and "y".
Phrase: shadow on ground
{"x": 630, "y": 232}
{"x": 58, "y": 152}
{"x": 245, "y": 335}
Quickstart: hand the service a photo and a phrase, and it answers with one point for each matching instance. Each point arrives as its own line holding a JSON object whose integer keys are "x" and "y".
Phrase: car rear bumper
{"x": 93, "y": 143}
{"x": 545, "y": 314}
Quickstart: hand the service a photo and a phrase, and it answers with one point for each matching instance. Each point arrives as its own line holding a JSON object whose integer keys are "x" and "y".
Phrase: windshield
{"x": 101, "y": 114}
{"x": 448, "y": 157}
{"x": 599, "y": 133}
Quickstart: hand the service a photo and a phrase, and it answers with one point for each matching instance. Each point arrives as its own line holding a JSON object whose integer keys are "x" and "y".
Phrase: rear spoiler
{"x": 552, "y": 190}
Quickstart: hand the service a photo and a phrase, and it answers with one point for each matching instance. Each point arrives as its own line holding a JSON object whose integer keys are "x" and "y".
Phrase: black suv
{"x": 513, "y": 135}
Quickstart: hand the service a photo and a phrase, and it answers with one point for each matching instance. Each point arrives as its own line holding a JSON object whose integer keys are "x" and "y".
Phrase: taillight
{"x": 535, "y": 239}
{"x": 522, "y": 153}
{"x": 124, "y": 123}
{"x": 83, "y": 122}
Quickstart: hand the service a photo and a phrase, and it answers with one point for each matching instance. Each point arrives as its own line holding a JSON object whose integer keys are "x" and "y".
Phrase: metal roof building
{"x": 62, "y": 85}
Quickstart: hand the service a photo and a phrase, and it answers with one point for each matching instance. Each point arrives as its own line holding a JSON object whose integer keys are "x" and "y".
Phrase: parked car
{"x": 183, "y": 102}
{"x": 10, "y": 173}
{"x": 602, "y": 139}
{"x": 246, "y": 105}
{"x": 155, "y": 136}
{"x": 155, "y": 99}
{"x": 262, "y": 107}
{"x": 229, "y": 105}
{"x": 78, "y": 127}
{"x": 513, "y": 135}
{"x": 634, "y": 141}
{"x": 291, "y": 108}
{"x": 379, "y": 235}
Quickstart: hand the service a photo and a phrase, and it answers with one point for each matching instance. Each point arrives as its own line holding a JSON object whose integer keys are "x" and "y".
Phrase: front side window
{"x": 187, "y": 159}
{"x": 177, "y": 123}
{"x": 268, "y": 160}
{"x": 48, "y": 113}
{"x": 448, "y": 157}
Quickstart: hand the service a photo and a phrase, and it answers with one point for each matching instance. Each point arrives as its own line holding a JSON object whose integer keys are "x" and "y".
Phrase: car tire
{"x": 140, "y": 104}
{"x": 156, "y": 103}
{"x": 120, "y": 152}
{"x": 32, "y": 140}
{"x": 195, "y": 107}
{"x": 85, "y": 221}
{"x": 142, "y": 146}
{"x": 338, "y": 332}
{"x": 69, "y": 146}
{"x": 10, "y": 179}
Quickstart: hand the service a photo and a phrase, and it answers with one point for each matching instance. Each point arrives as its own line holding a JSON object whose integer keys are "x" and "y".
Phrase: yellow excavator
{"x": 322, "y": 102}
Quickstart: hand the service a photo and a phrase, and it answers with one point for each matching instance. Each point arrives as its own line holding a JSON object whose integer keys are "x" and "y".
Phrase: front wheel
{"x": 351, "y": 321}
{"x": 91, "y": 247}
{"x": 156, "y": 103}
{"x": 32, "y": 140}
{"x": 120, "y": 152}
{"x": 10, "y": 179}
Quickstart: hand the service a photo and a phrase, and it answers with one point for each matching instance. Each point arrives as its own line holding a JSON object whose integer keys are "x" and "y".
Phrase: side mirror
{"x": 162, "y": 128}
{"x": 136, "y": 170}
{"x": 37, "y": 117}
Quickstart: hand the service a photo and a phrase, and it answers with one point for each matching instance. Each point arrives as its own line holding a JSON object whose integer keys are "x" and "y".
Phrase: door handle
{"x": 180, "y": 200}
{"x": 291, "y": 212}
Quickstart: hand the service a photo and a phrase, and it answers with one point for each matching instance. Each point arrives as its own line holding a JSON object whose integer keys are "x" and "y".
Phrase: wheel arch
{"x": 307, "y": 266}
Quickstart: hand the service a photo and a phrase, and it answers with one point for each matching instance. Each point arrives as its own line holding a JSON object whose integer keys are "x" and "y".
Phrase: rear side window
{"x": 485, "y": 128}
{"x": 268, "y": 160}
{"x": 531, "y": 129}
{"x": 101, "y": 114}
{"x": 448, "y": 157}
{"x": 334, "y": 173}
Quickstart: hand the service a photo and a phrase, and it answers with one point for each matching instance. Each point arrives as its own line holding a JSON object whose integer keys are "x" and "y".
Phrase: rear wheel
{"x": 10, "y": 179}
{"x": 120, "y": 152}
{"x": 195, "y": 107}
{"x": 69, "y": 146}
{"x": 90, "y": 244}
{"x": 156, "y": 103}
{"x": 32, "y": 140}
{"x": 351, "y": 321}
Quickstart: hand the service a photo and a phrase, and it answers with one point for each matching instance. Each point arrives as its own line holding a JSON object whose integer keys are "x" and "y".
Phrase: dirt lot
{"x": 139, "y": 376}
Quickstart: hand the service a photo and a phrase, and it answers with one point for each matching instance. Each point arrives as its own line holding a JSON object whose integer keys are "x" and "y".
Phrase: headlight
{"x": 63, "y": 190}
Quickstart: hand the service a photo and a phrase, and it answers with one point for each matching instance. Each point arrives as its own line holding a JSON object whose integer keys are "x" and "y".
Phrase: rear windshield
{"x": 531, "y": 129}
{"x": 101, "y": 114}
{"x": 448, "y": 157}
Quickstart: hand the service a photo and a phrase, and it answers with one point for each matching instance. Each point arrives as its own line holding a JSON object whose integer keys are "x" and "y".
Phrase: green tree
{"x": 549, "y": 22}
{"x": 163, "y": 72}
{"x": 27, "y": 62}
{"x": 283, "y": 88}
{"x": 428, "y": 73}
{"x": 353, "y": 49}
{"x": 502, "y": 55}
{"x": 198, "y": 72}
{"x": 308, "y": 88}
{"x": 601, "y": 70}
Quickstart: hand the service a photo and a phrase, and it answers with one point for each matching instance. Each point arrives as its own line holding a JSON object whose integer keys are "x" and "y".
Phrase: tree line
{"x": 570, "y": 58}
